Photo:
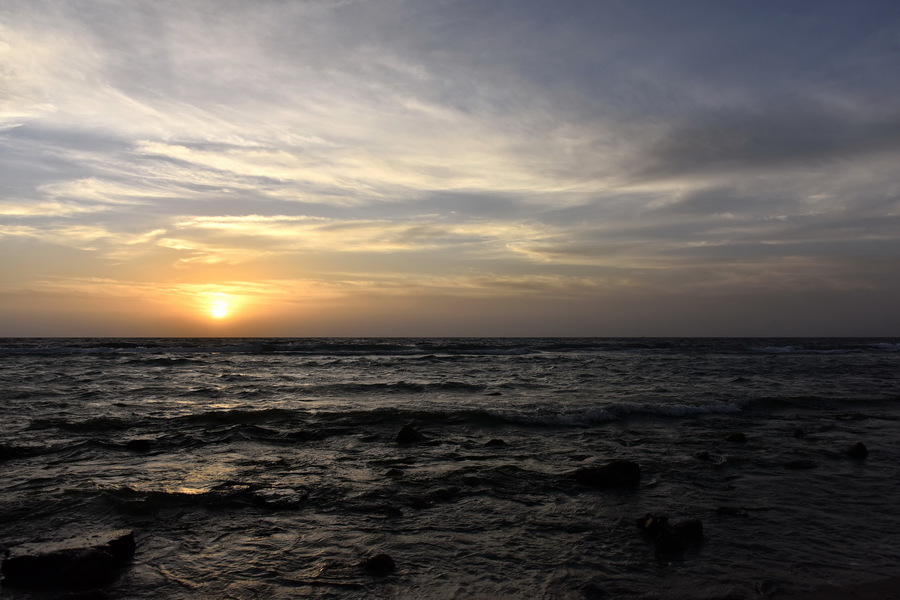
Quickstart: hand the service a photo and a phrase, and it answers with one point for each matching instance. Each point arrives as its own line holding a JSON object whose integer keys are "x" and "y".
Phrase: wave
{"x": 225, "y": 495}
{"x": 403, "y": 387}
{"x": 84, "y": 425}
{"x": 297, "y": 425}
{"x": 174, "y": 349}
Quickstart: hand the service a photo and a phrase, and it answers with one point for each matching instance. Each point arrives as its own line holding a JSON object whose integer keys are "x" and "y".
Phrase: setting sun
{"x": 220, "y": 306}
{"x": 218, "y": 311}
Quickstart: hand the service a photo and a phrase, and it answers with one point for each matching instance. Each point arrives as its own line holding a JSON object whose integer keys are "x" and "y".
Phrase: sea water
{"x": 270, "y": 468}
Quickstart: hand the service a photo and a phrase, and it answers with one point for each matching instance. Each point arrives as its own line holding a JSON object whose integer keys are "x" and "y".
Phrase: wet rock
{"x": 668, "y": 538}
{"x": 307, "y": 435}
{"x": 85, "y": 595}
{"x": 668, "y": 543}
{"x": 736, "y": 437}
{"x": 618, "y": 473}
{"x": 140, "y": 445}
{"x": 766, "y": 588}
{"x": 392, "y": 512}
{"x": 420, "y": 502}
{"x": 799, "y": 433}
{"x": 652, "y": 524}
{"x": 857, "y": 450}
{"x": 495, "y": 443}
{"x": 689, "y": 531}
{"x": 702, "y": 455}
{"x": 380, "y": 564}
{"x": 593, "y": 591}
{"x": 10, "y": 453}
{"x": 81, "y": 562}
{"x": 408, "y": 435}
{"x": 439, "y": 495}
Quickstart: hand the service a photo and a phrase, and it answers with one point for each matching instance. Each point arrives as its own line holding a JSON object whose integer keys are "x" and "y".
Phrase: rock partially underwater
{"x": 79, "y": 562}
{"x": 615, "y": 474}
{"x": 670, "y": 538}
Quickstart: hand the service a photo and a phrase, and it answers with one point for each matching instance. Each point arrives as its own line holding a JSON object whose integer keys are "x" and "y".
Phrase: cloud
{"x": 770, "y": 139}
{"x": 451, "y": 148}
{"x": 319, "y": 234}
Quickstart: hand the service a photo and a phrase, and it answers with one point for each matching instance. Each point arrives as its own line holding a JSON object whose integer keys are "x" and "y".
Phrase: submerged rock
{"x": 496, "y": 442}
{"x": 857, "y": 450}
{"x": 690, "y": 531}
{"x": 380, "y": 564}
{"x": 668, "y": 538}
{"x": 702, "y": 455}
{"x": 9, "y": 452}
{"x": 618, "y": 473}
{"x": 652, "y": 524}
{"x": 139, "y": 445}
{"x": 737, "y": 437}
{"x": 80, "y": 562}
{"x": 409, "y": 435}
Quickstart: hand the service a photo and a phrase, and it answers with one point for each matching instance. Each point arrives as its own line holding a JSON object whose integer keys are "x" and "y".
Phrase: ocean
{"x": 271, "y": 468}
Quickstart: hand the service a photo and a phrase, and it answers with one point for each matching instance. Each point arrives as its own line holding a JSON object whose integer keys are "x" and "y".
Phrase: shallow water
{"x": 270, "y": 468}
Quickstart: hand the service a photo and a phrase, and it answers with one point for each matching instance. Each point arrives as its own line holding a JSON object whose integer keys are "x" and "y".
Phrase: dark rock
{"x": 85, "y": 595}
{"x": 618, "y": 473}
{"x": 444, "y": 495}
{"x": 495, "y": 443}
{"x": 304, "y": 435}
{"x": 81, "y": 562}
{"x": 857, "y": 450}
{"x": 380, "y": 564}
{"x": 408, "y": 435}
{"x": 447, "y": 494}
{"x": 592, "y": 591}
{"x": 10, "y": 453}
{"x": 667, "y": 538}
{"x": 737, "y": 437}
{"x": 394, "y": 472}
{"x": 799, "y": 433}
{"x": 420, "y": 502}
{"x": 139, "y": 445}
{"x": 702, "y": 455}
{"x": 668, "y": 543}
{"x": 493, "y": 394}
{"x": 766, "y": 588}
{"x": 801, "y": 464}
{"x": 689, "y": 531}
{"x": 653, "y": 525}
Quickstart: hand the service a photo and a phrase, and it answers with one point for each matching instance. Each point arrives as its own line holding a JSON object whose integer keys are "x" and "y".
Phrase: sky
{"x": 449, "y": 168}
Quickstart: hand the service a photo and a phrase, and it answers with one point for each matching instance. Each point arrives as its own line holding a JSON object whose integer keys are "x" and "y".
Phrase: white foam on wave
{"x": 777, "y": 349}
{"x": 886, "y": 346}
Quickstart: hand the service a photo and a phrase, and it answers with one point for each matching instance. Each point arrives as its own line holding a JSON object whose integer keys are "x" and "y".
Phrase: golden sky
{"x": 449, "y": 167}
